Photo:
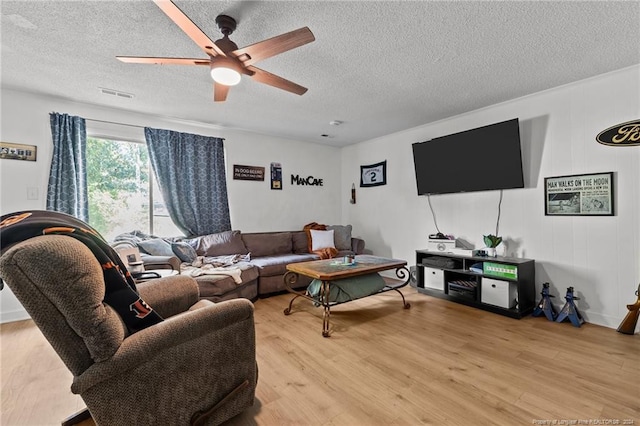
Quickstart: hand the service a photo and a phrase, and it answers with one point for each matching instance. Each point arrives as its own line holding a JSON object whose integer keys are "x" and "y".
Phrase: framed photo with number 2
{"x": 374, "y": 174}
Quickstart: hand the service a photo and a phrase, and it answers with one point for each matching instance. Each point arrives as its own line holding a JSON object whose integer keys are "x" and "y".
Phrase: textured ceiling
{"x": 379, "y": 67}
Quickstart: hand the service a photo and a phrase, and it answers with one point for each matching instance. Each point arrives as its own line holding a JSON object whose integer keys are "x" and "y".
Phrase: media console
{"x": 503, "y": 285}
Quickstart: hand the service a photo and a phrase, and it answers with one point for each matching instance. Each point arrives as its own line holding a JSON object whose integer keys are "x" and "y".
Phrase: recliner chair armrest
{"x": 160, "y": 262}
{"x": 170, "y": 296}
{"x": 174, "y": 338}
{"x": 357, "y": 245}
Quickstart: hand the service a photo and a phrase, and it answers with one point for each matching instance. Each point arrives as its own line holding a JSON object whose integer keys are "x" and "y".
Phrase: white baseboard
{"x": 594, "y": 318}
{"x": 15, "y": 315}
{"x": 603, "y": 320}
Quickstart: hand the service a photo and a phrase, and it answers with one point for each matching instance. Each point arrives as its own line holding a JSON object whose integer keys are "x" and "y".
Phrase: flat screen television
{"x": 479, "y": 159}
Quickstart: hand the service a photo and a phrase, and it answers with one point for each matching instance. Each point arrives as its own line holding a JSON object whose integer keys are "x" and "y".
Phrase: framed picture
{"x": 248, "y": 172}
{"x": 16, "y": 151}
{"x": 374, "y": 174}
{"x": 579, "y": 195}
{"x": 276, "y": 176}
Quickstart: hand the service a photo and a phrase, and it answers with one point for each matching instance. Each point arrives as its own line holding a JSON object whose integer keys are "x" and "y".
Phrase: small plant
{"x": 492, "y": 241}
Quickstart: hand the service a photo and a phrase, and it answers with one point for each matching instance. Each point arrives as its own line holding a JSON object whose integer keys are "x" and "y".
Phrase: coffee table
{"x": 330, "y": 271}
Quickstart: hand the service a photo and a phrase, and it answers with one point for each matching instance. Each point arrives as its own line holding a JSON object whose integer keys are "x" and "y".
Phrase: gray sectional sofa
{"x": 263, "y": 258}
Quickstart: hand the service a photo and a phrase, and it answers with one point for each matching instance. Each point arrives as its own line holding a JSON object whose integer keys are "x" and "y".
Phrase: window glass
{"x": 162, "y": 223}
{"x": 122, "y": 188}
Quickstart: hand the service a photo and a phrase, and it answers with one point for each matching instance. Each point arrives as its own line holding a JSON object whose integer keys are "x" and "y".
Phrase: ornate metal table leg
{"x": 326, "y": 315}
{"x": 403, "y": 274}
{"x": 289, "y": 279}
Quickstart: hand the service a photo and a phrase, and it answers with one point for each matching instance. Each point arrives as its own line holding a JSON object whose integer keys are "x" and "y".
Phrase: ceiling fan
{"x": 225, "y": 60}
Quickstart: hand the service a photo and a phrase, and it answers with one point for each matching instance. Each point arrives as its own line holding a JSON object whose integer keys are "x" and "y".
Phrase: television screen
{"x": 474, "y": 160}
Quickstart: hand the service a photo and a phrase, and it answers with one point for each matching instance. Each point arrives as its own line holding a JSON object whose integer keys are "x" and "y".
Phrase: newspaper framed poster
{"x": 579, "y": 195}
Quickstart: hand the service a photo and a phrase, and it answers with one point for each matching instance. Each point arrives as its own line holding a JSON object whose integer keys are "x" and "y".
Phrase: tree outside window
{"x": 123, "y": 194}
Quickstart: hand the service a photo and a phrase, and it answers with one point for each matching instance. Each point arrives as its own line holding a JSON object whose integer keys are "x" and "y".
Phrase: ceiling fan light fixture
{"x": 225, "y": 72}
{"x": 225, "y": 76}
{"x": 227, "y": 63}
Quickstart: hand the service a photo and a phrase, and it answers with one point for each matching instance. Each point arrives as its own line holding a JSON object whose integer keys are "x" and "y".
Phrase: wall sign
{"x": 374, "y": 174}
{"x": 579, "y": 195}
{"x": 309, "y": 180}
{"x": 276, "y": 176}
{"x": 248, "y": 172}
{"x": 625, "y": 134}
{"x": 16, "y": 151}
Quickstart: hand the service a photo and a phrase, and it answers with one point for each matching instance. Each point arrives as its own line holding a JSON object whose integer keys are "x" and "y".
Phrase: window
{"x": 122, "y": 190}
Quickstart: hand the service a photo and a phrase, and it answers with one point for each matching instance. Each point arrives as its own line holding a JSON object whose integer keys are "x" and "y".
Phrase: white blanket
{"x": 192, "y": 271}
{"x": 220, "y": 265}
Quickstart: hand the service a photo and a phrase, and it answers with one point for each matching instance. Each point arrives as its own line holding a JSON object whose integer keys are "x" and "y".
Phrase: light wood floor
{"x": 438, "y": 363}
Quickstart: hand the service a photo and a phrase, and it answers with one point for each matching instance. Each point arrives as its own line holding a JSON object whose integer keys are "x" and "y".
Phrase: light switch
{"x": 32, "y": 193}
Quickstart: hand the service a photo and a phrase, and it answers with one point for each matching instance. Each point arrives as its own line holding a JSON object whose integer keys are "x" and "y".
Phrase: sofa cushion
{"x": 268, "y": 243}
{"x": 184, "y": 251}
{"x": 156, "y": 247}
{"x": 275, "y": 284}
{"x": 222, "y": 243}
{"x": 277, "y": 265}
{"x": 218, "y": 285}
{"x": 248, "y": 290}
{"x": 341, "y": 236}
{"x": 321, "y": 239}
{"x": 300, "y": 242}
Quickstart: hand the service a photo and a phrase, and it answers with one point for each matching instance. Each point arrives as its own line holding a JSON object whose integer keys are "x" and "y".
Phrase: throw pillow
{"x": 342, "y": 236}
{"x": 307, "y": 230}
{"x": 321, "y": 239}
{"x": 184, "y": 251}
{"x": 156, "y": 247}
{"x": 220, "y": 244}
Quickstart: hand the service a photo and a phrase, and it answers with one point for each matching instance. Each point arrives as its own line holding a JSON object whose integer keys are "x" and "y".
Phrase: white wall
{"x": 256, "y": 207}
{"x": 598, "y": 256}
{"x": 253, "y": 205}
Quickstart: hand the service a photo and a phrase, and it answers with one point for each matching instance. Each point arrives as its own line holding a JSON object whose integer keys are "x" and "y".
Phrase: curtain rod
{"x": 129, "y": 125}
{"x": 113, "y": 122}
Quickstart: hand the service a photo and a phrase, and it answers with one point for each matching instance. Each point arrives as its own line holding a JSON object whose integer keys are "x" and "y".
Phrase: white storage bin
{"x": 434, "y": 278}
{"x": 499, "y": 293}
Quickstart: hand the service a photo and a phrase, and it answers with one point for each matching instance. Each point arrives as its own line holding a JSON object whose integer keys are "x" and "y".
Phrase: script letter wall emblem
{"x": 625, "y": 134}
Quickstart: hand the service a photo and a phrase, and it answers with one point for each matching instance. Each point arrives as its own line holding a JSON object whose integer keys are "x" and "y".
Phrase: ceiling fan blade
{"x": 189, "y": 27}
{"x": 273, "y": 80}
{"x": 274, "y": 46}
{"x": 163, "y": 61}
{"x": 220, "y": 92}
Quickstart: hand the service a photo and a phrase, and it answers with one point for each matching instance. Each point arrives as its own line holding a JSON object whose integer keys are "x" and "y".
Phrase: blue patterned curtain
{"x": 67, "y": 189}
{"x": 191, "y": 174}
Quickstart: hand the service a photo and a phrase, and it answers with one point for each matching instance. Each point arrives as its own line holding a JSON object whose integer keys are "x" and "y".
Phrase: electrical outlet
{"x": 32, "y": 193}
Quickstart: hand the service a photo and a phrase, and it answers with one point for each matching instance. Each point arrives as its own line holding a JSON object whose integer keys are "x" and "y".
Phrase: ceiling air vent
{"x": 113, "y": 92}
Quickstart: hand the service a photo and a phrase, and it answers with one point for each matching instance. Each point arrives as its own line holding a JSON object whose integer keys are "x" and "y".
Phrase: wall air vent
{"x": 113, "y": 92}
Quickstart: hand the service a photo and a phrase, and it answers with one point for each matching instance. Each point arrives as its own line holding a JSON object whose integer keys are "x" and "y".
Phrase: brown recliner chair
{"x": 197, "y": 366}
